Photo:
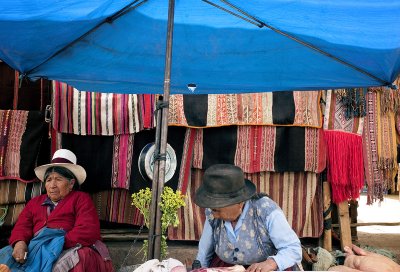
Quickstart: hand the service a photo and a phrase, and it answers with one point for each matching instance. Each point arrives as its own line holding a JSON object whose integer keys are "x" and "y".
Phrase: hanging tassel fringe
{"x": 345, "y": 164}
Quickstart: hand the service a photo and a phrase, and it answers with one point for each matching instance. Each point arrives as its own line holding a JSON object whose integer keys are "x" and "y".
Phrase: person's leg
{"x": 342, "y": 268}
{"x": 90, "y": 260}
{"x": 366, "y": 261}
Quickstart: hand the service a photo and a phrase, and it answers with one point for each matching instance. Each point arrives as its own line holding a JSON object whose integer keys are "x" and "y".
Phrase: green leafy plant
{"x": 170, "y": 203}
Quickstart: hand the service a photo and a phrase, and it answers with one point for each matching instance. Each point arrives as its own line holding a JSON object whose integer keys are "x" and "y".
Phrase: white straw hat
{"x": 63, "y": 158}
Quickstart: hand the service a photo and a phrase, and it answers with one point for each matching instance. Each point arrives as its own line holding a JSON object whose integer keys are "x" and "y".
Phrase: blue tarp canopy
{"x": 274, "y": 45}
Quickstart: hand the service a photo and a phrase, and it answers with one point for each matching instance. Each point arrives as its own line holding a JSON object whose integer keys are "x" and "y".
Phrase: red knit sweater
{"x": 75, "y": 214}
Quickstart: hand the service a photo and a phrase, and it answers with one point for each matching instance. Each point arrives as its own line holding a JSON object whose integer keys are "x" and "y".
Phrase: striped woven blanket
{"x": 298, "y": 194}
{"x": 15, "y": 192}
{"x": 115, "y": 206}
{"x": 21, "y": 133}
{"x": 261, "y": 148}
{"x": 90, "y": 113}
{"x": 297, "y": 108}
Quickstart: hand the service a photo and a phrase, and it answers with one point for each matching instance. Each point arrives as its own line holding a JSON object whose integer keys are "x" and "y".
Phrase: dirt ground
{"x": 383, "y": 237}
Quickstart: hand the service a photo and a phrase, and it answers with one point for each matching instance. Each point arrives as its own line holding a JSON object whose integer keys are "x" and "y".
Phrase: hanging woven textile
{"x": 298, "y": 194}
{"x": 344, "y": 149}
{"x": 91, "y": 113}
{"x": 21, "y": 134}
{"x": 292, "y": 108}
{"x": 380, "y": 147}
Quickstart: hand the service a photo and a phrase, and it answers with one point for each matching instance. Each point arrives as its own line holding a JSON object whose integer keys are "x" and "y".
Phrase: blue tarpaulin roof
{"x": 287, "y": 45}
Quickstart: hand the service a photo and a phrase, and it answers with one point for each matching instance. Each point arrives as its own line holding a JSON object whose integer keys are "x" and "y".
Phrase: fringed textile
{"x": 90, "y": 113}
{"x": 15, "y": 192}
{"x": 374, "y": 177}
{"x": 296, "y": 108}
{"x": 380, "y": 148}
{"x": 389, "y": 98}
{"x": 298, "y": 194}
{"x": 20, "y": 138}
{"x": 353, "y": 101}
{"x": 387, "y": 146}
{"x": 344, "y": 150}
{"x": 261, "y": 148}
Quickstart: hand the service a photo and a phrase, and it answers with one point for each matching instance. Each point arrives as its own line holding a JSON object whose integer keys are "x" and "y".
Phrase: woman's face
{"x": 57, "y": 186}
{"x": 229, "y": 213}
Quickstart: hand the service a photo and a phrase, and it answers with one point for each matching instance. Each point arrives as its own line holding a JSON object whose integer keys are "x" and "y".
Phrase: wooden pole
{"x": 344, "y": 224}
{"x": 154, "y": 249}
{"x": 327, "y": 242}
{"x": 353, "y": 219}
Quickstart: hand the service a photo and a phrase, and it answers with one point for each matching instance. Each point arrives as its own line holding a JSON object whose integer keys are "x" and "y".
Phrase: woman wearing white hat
{"x": 65, "y": 215}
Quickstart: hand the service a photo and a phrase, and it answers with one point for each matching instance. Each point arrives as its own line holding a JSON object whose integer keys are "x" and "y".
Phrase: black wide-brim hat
{"x": 223, "y": 185}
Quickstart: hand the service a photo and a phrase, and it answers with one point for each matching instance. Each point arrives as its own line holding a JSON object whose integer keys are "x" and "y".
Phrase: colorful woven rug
{"x": 90, "y": 113}
{"x": 380, "y": 148}
{"x": 15, "y": 192}
{"x": 21, "y": 133}
{"x": 261, "y": 148}
{"x": 298, "y": 194}
{"x": 344, "y": 150}
{"x": 296, "y": 108}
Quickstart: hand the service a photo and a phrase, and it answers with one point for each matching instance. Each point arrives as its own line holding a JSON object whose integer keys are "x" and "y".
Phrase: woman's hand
{"x": 20, "y": 249}
{"x": 268, "y": 265}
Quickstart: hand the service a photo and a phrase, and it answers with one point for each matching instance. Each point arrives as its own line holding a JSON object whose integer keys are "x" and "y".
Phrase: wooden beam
{"x": 370, "y": 224}
{"x": 344, "y": 224}
{"x": 327, "y": 242}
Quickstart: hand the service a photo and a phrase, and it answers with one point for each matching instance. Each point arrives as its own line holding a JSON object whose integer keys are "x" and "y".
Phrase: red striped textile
{"x": 257, "y": 147}
{"x": 298, "y": 194}
{"x": 115, "y": 206}
{"x": 90, "y": 113}
{"x": 122, "y": 161}
{"x": 21, "y": 133}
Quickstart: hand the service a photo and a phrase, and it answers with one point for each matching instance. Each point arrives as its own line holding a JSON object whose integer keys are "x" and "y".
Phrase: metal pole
{"x": 155, "y": 239}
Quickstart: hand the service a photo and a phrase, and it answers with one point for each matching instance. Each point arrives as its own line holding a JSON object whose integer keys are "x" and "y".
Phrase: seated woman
{"x": 243, "y": 227}
{"x": 63, "y": 222}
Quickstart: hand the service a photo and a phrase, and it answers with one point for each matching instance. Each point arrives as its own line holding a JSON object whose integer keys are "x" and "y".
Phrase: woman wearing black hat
{"x": 243, "y": 227}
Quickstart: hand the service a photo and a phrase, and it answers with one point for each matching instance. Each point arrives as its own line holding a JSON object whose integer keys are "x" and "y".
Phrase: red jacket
{"x": 75, "y": 214}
